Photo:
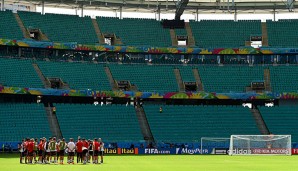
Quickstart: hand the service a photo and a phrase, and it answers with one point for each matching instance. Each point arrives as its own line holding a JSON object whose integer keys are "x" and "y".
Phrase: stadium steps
{"x": 99, "y": 35}
{"x": 21, "y": 25}
{"x": 259, "y": 120}
{"x": 264, "y": 34}
{"x": 111, "y": 79}
{"x": 267, "y": 79}
{"x": 173, "y": 37}
{"x": 44, "y": 80}
{"x": 191, "y": 39}
{"x": 198, "y": 79}
{"x": 179, "y": 80}
{"x": 144, "y": 125}
{"x": 53, "y": 121}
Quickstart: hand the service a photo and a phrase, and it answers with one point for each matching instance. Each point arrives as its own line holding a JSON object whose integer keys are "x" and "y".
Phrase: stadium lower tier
{"x": 119, "y": 123}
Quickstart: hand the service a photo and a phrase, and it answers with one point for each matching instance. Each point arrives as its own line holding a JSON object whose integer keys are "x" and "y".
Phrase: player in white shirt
{"x": 71, "y": 150}
{"x": 101, "y": 149}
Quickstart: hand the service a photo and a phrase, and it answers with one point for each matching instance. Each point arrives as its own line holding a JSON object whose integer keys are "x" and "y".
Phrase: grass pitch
{"x": 10, "y": 162}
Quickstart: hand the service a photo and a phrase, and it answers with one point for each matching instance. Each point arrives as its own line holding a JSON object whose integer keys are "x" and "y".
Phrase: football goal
{"x": 260, "y": 145}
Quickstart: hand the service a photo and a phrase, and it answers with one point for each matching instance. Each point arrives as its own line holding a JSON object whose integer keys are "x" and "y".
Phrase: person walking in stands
{"x": 62, "y": 145}
{"x": 71, "y": 150}
{"x": 79, "y": 147}
{"x": 101, "y": 149}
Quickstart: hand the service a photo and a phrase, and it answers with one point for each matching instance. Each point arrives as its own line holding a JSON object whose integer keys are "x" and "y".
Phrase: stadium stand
{"x": 229, "y": 78}
{"x": 281, "y": 120}
{"x": 288, "y": 38}
{"x": 284, "y": 78}
{"x": 180, "y": 32}
{"x": 186, "y": 73}
{"x": 146, "y": 77}
{"x": 18, "y": 73}
{"x": 136, "y": 32}
{"x": 113, "y": 123}
{"x": 190, "y": 123}
{"x": 60, "y": 27}
{"x": 77, "y": 75}
{"x": 19, "y": 120}
{"x": 9, "y": 28}
{"x": 224, "y": 33}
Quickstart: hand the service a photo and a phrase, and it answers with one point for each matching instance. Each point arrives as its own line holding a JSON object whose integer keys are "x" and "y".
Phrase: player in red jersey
{"x": 85, "y": 150}
{"x": 95, "y": 151}
{"x": 40, "y": 150}
{"x": 30, "y": 148}
{"x": 79, "y": 148}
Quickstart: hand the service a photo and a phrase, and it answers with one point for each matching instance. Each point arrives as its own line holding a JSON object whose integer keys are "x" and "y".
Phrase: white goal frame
{"x": 284, "y": 148}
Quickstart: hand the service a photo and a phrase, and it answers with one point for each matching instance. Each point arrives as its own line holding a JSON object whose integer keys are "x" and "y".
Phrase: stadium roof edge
{"x": 164, "y": 5}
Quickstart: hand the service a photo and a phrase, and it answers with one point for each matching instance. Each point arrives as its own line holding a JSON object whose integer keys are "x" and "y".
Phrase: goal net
{"x": 214, "y": 145}
{"x": 260, "y": 145}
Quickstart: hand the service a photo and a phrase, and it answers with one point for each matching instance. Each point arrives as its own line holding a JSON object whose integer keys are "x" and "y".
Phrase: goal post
{"x": 212, "y": 143}
{"x": 260, "y": 145}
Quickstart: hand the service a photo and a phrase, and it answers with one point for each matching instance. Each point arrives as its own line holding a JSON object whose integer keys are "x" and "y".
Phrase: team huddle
{"x": 50, "y": 151}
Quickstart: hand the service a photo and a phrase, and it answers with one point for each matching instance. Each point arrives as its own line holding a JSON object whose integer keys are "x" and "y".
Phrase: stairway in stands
{"x": 21, "y": 25}
{"x": 98, "y": 32}
{"x": 173, "y": 37}
{"x": 264, "y": 34}
{"x": 179, "y": 80}
{"x": 191, "y": 39}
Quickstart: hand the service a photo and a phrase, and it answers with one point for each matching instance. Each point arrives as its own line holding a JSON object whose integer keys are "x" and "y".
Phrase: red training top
{"x": 79, "y": 146}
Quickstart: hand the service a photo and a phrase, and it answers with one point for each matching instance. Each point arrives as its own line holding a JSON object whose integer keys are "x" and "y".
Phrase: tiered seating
{"x": 181, "y": 32}
{"x": 61, "y": 28}
{"x": 112, "y": 123}
{"x": 146, "y": 77}
{"x": 186, "y": 73}
{"x": 9, "y": 28}
{"x": 190, "y": 123}
{"x": 281, "y": 34}
{"x": 229, "y": 78}
{"x": 281, "y": 120}
{"x": 137, "y": 32}
{"x": 224, "y": 33}
{"x": 18, "y": 73}
{"x": 77, "y": 75}
{"x": 19, "y": 121}
{"x": 284, "y": 78}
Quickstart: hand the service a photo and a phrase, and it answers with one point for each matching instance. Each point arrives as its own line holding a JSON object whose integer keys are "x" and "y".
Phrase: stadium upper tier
{"x": 61, "y": 28}
{"x": 136, "y": 32}
{"x": 282, "y": 33}
{"x": 148, "y": 32}
{"x": 9, "y": 28}
{"x": 154, "y": 78}
{"x": 225, "y": 34}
